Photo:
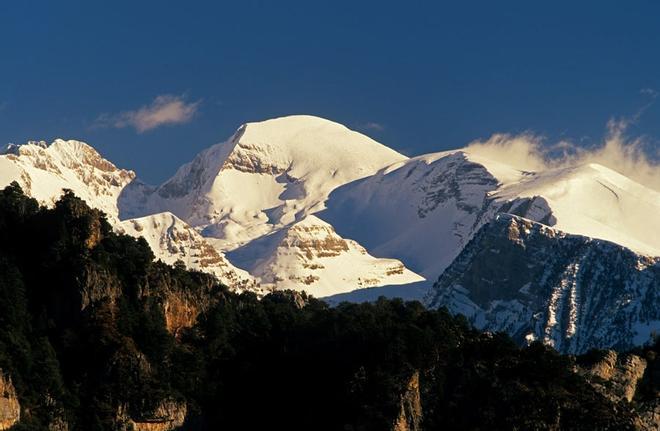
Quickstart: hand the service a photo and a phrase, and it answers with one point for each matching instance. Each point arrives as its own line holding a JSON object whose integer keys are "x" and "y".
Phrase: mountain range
{"x": 568, "y": 255}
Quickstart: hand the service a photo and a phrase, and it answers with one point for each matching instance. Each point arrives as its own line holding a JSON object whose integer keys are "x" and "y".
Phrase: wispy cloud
{"x": 165, "y": 109}
{"x": 630, "y": 156}
{"x": 648, "y": 92}
{"x": 529, "y": 152}
{"x": 371, "y": 125}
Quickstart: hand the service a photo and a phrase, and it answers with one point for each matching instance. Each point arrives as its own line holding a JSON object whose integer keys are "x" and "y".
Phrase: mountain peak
{"x": 44, "y": 170}
{"x": 293, "y": 143}
{"x": 269, "y": 174}
{"x": 69, "y": 151}
{"x": 284, "y": 129}
{"x": 15, "y": 149}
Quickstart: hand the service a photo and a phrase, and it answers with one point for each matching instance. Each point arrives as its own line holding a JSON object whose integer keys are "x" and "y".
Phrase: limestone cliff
{"x": 10, "y": 409}
{"x": 617, "y": 377}
{"x": 410, "y": 410}
{"x": 166, "y": 416}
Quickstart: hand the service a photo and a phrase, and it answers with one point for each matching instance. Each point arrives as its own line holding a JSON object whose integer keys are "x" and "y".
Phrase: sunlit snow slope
{"x": 268, "y": 175}
{"x": 595, "y": 201}
{"x": 171, "y": 240}
{"x": 426, "y": 209}
{"x": 309, "y": 255}
{"x": 254, "y": 192}
{"x": 43, "y": 170}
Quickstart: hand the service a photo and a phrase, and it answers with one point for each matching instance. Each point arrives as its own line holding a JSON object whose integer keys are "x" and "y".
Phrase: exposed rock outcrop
{"x": 10, "y": 409}
{"x": 166, "y": 416}
{"x": 56, "y": 415}
{"x": 410, "y": 410}
{"x": 58, "y": 424}
{"x": 97, "y": 286}
{"x": 534, "y": 282}
{"x": 649, "y": 418}
{"x": 617, "y": 375}
{"x": 171, "y": 239}
{"x": 181, "y": 304}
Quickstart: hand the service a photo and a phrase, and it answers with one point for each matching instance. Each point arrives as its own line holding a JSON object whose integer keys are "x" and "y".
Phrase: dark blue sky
{"x": 433, "y": 75}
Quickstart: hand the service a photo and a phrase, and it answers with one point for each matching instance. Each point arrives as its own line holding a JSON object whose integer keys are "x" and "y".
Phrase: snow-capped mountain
{"x": 426, "y": 209}
{"x": 254, "y": 192}
{"x": 264, "y": 180}
{"x": 304, "y": 203}
{"x": 594, "y": 201}
{"x": 422, "y": 210}
{"x": 309, "y": 255}
{"x": 538, "y": 283}
{"x": 171, "y": 240}
{"x": 268, "y": 175}
{"x": 43, "y": 170}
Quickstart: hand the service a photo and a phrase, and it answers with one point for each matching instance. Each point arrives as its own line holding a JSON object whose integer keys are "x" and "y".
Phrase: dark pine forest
{"x": 95, "y": 334}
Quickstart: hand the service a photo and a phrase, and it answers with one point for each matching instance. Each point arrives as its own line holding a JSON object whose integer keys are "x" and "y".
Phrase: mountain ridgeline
{"x": 537, "y": 283}
{"x": 302, "y": 203}
{"x": 96, "y": 335}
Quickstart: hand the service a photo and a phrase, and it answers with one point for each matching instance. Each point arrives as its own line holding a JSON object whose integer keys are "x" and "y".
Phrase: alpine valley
{"x": 568, "y": 256}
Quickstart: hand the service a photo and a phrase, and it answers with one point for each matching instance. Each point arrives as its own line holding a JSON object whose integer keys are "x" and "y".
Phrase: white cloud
{"x": 619, "y": 152}
{"x": 648, "y": 92}
{"x": 372, "y": 125}
{"x": 524, "y": 152}
{"x": 165, "y": 109}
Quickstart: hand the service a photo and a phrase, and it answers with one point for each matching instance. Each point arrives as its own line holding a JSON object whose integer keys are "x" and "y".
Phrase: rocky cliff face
{"x": 181, "y": 305}
{"x": 97, "y": 285}
{"x": 620, "y": 372}
{"x": 538, "y": 283}
{"x": 167, "y": 415}
{"x": 410, "y": 413}
{"x": 617, "y": 377}
{"x": 10, "y": 409}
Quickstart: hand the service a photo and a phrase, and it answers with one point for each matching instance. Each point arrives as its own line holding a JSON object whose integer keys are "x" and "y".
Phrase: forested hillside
{"x": 96, "y": 335}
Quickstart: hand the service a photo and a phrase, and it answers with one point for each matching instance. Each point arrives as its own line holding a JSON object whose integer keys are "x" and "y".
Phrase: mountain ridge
{"x": 259, "y": 209}
{"x": 576, "y": 293}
